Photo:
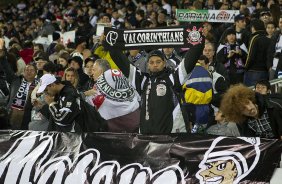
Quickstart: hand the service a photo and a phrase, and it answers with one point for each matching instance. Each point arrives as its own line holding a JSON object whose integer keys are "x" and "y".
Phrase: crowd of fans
{"x": 81, "y": 86}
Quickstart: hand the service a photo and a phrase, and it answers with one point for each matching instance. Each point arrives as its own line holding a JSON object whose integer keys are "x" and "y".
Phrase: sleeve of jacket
{"x": 103, "y": 54}
{"x": 271, "y": 51}
{"x": 277, "y": 113}
{"x": 134, "y": 75}
{"x": 221, "y": 56}
{"x": 10, "y": 75}
{"x": 188, "y": 63}
{"x": 121, "y": 61}
{"x": 244, "y": 51}
{"x": 64, "y": 114}
{"x": 251, "y": 52}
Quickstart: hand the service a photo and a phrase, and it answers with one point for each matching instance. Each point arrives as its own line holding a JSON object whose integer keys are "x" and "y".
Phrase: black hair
{"x": 264, "y": 82}
{"x": 50, "y": 67}
{"x": 258, "y": 25}
{"x": 204, "y": 58}
{"x": 141, "y": 13}
{"x": 146, "y": 24}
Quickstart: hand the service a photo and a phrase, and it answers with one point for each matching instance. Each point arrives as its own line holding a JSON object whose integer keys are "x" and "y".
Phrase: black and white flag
{"x": 181, "y": 37}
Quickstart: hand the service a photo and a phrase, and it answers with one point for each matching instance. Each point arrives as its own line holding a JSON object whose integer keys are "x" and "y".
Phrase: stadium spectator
{"x": 274, "y": 53}
{"x": 156, "y": 92}
{"x": 20, "y": 87}
{"x": 69, "y": 113}
{"x": 223, "y": 127}
{"x": 263, "y": 87}
{"x": 256, "y": 63}
{"x": 256, "y": 114}
{"x": 122, "y": 113}
{"x": 71, "y": 75}
{"x": 233, "y": 55}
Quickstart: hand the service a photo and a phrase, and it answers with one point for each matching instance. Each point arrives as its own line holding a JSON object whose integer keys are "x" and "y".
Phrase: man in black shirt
{"x": 68, "y": 112}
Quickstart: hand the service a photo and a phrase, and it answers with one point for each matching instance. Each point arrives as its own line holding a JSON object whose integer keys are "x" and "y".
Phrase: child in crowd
{"x": 223, "y": 128}
{"x": 270, "y": 29}
{"x": 263, "y": 87}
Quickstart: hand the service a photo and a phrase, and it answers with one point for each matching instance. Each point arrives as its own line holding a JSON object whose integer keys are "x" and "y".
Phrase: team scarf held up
{"x": 154, "y": 38}
{"x": 20, "y": 99}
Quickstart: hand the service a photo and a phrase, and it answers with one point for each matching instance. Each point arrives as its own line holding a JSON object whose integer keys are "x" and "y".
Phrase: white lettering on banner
{"x": 153, "y": 37}
{"x": 112, "y": 93}
{"x": 29, "y": 160}
{"x": 206, "y": 15}
{"x": 23, "y": 90}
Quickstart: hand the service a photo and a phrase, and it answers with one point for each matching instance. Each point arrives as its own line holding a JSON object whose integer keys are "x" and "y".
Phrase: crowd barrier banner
{"x": 154, "y": 38}
{"x": 224, "y": 16}
{"x": 49, "y": 157}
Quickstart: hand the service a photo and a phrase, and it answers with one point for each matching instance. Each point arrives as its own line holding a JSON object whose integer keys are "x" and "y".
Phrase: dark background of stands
{"x": 4, "y": 3}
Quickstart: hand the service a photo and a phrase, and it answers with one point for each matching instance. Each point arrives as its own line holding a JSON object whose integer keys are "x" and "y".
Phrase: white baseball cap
{"x": 46, "y": 80}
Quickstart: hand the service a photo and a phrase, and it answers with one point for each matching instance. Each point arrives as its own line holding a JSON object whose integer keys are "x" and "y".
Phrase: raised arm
{"x": 10, "y": 75}
{"x": 192, "y": 57}
{"x": 121, "y": 61}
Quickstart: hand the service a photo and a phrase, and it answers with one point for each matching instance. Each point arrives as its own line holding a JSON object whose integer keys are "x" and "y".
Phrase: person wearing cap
{"x": 265, "y": 16}
{"x": 68, "y": 112}
{"x": 256, "y": 64}
{"x": 156, "y": 88}
{"x": 233, "y": 55}
{"x": 242, "y": 34}
{"x": 36, "y": 115}
{"x": 20, "y": 88}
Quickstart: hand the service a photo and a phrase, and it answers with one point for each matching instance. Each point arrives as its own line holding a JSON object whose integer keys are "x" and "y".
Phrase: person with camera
{"x": 233, "y": 55}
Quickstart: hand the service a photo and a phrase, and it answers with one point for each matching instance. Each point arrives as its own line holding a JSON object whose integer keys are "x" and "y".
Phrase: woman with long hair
{"x": 71, "y": 75}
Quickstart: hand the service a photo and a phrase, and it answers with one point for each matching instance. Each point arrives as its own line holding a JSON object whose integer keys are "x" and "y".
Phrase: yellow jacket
{"x": 105, "y": 55}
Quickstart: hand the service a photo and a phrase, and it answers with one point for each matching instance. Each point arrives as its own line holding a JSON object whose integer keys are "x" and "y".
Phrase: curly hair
{"x": 234, "y": 100}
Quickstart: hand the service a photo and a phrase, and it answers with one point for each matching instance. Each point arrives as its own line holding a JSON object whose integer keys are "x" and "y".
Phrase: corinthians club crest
{"x": 194, "y": 35}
